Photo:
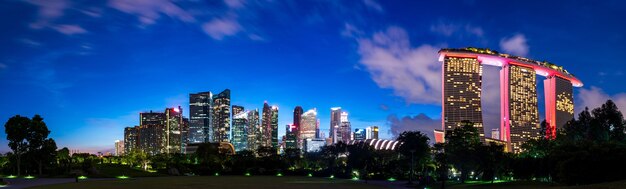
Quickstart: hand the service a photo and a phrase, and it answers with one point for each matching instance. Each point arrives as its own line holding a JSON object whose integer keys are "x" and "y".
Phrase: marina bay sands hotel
{"x": 519, "y": 112}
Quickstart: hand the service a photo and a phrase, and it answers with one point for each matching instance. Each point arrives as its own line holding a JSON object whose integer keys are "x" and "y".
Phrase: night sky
{"x": 89, "y": 67}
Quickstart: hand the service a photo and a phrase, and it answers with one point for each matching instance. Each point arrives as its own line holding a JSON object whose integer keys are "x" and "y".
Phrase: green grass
{"x": 528, "y": 184}
{"x": 222, "y": 182}
{"x": 113, "y": 170}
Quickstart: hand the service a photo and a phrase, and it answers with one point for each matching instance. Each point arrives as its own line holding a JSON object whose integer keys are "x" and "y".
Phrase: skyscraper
{"x": 335, "y": 120}
{"x": 345, "y": 132}
{"x": 131, "y": 140}
{"x": 119, "y": 148}
{"x": 152, "y": 133}
{"x": 274, "y": 124}
{"x": 240, "y": 135}
{"x": 291, "y": 142}
{"x": 221, "y": 117}
{"x": 495, "y": 134}
{"x": 519, "y": 111}
{"x": 200, "y": 117}
{"x": 297, "y": 116}
{"x": 308, "y": 122}
{"x": 254, "y": 130}
{"x": 174, "y": 130}
{"x": 371, "y": 132}
{"x": 559, "y": 103}
{"x": 462, "y": 80}
{"x": 266, "y": 125}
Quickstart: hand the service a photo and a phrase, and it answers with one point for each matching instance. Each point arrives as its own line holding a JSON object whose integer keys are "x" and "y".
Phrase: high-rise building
{"x": 152, "y": 133}
{"x": 344, "y": 132}
{"x": 559, "y": 103}
{"x": 371, "y": 132}
{"x": 200, "y": 117}
{"x": 254, "y": 130}
{"x": 274, "y": 124}
{"x": 297, "y": 116}
{"x": 462, "y": 81}
{"x": 237, "y": 109}
{"x": 131, "y": 140}
{"x": 308, "y": 122}
{"x": 221, "y": 117}
{"x": 269, "y": 124}
{"x": 119, "y": 147}
{"x": 291, "y": 141}
{"x": 519, "y": 111}
{"x": 335, "y": 120}
{"x": 175, "y": 129}
{"x": 359, "y": 134}
{"x": 240, "y": 135}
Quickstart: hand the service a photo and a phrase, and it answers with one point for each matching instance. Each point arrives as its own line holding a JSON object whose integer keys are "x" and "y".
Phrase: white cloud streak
{"x": 515, "y": 45}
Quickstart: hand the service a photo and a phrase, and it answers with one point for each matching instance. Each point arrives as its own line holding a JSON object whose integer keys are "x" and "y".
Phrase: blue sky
{"x": 89, "y": 67}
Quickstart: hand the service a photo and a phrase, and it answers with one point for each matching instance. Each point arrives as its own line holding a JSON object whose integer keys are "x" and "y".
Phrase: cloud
{"x": 383, "y": 107}
{"x": 448, "y": 29}
{"x": 69, "y": 29}
{"x": 2, "y": 66}
{"x": 420, "y": 122}
{"x": 220, "y": 28}
{"x": 350, "y": 30}
{"x": 234, "y": 3}
{"x": 516, "y": 45}
{"x": 412, "y": 73}
{"x": 372, "y": 4}
{"x": 148, "y": 11}
{"x": 595, "y": 97}
{"x": 49, "y": 10}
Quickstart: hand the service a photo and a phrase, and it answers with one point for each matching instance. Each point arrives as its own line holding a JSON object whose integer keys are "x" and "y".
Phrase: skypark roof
{"x": 494, "y": 58}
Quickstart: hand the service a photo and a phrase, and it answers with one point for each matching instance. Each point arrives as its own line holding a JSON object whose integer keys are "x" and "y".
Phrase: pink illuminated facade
{"x": 518, "y": 101}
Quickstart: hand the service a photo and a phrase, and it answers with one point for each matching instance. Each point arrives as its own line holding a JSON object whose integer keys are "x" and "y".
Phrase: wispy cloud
{"x": 372, "y": 4}
{"x": 452, "y": 28}
{"x": 411, "y": 72}
{"x": 515, "y": 45}
{"x": 219, "y": 28}
{"x": 148, "y": 11}
{"x": 3, "y": 66}
{"x": 69, "y": 29}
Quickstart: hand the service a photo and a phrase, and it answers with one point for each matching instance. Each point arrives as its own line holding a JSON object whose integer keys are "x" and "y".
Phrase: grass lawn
{"x": 222, "y": 182}
{"x": 114, "y": 170}
{"x": 534, "y": 185}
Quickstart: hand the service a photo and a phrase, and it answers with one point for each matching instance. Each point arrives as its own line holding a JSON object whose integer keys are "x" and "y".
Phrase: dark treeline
{"x": 589, "y": 149}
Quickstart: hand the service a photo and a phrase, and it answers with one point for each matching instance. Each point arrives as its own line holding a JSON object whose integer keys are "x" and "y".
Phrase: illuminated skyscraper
{"x": 269, "y": 126}
{"x": 200, "y": 117}
{"x": 559, "y": 104}
{"x": 344, "y": 131}
{"x": 274, "y": 125}
{"x": 335, "y": 121}
{"x": 291, "y": 141}
{"x": 131, "y": 140}
{"x": 462, "y": 80}
{"x": 221, "y": 117}
{"x": 297, "y": 116}
{"x": 495, "y": 134}
{"x": 174, "y": 127}
{"x": 119, "y": 148}
{"x": 308, "y": 123}
{"x": 152, "y": 132}
{"x": 520, "y": 112}
{"x": 254, "y": 130}
{"x": 240, "y": 135}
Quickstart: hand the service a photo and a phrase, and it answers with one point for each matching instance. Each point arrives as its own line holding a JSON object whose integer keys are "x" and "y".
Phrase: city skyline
{"x": 90, "y": 68}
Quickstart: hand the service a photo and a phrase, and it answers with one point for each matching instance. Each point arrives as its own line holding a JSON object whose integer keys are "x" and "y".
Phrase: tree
{"x": 441, "y": 160}
{"x": 611, "y": 119}
{"x": 41, "y": 148}
{"x": 16, "y": 129}
{"x": 461, "y": 148}
{"x": 414, "y": 145}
